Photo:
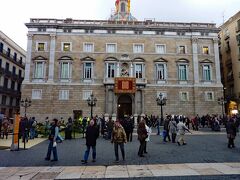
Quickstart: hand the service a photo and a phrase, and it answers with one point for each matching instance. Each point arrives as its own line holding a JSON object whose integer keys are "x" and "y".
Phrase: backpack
{"x": 34, "y": 124}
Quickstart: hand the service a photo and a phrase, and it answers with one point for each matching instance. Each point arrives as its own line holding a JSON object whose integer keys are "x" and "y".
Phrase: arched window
{"x": 123, "y": 7}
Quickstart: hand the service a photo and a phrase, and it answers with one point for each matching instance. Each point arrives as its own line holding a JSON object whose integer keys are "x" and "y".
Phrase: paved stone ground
{"x": 167, "y": 159}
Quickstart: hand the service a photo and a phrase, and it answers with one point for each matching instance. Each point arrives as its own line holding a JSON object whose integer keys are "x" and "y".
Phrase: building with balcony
{"x": 229, "y": 47}
{"x": 69, "y": 59}
{"x": 12, "y": 58}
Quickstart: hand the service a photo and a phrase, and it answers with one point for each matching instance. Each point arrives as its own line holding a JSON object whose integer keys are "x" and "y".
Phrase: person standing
{"x": 119, "y": 137}
{"x": 142, "y": 135}
{"x": 1, "y": 120}
{"x": 92, "y": 134}
{"x": 149, "y": 131}
{"x": 5, "y": 125}
{"x": 110, "y": 125}
{"x": 52, "y": 147}
{"x": 181, "y": 131}
{"x": 231, "y": 129}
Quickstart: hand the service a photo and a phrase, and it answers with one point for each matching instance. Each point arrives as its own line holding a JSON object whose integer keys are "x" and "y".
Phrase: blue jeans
{"x": 52, "y": 149}
{"x": 88, "y": 151}
{"x": 116, "y": 150}
{"x": 32, "y": 133}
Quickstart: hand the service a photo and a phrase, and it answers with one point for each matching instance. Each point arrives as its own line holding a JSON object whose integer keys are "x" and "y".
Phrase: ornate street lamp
{"x": 161, "y": 101}
{"x": 92, "y": 102}
{"x": 222, "y": 102}
{"x": 26, "y": 103}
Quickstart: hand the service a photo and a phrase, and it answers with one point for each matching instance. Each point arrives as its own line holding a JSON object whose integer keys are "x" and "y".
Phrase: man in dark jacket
{"x": 92, "y": 134}
{"x": 231, "y": 132}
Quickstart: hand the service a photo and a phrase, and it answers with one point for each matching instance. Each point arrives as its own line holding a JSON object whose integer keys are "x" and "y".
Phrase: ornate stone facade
{"x": 70, "y": 59}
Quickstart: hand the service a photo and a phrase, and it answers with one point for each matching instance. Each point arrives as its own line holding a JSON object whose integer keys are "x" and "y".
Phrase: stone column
{"x": 131, "y": 70}
{"x": 28, "y": 58}
{"x": 195, "y": 60}
{"x": 118, "y": 69}
{"x": 52, "y": 58}
{"x": 217, "y": 62}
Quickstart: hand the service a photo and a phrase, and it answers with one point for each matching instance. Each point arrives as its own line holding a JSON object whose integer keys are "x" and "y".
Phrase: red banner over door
{"x": 125, "y": 85}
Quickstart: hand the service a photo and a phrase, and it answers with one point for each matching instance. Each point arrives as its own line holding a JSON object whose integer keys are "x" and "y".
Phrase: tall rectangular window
{"x": 110, "y": 70}
{"x": 12, "y": 85}
{"x": 88, "y": 47}
{"x": 138, "y": 70}
{"x": 205, "y": 50}
{"x": 182, "y": 49}
{"x": 86, "y": 94}
{"x": 160, "y": 72}
{"x": 65, "y": 70}
{"x": 206, "y": 72}
{"x": 87, "y": 70}
{"x": 182, "y": 72}
{"x": 4, "y": 100}
{"x": 63, "y": 94}
{"x": 5, "y": 83}
{"x": 14, "y": 70}
{"x": 15, "y": 57}
{"x": 1, "y": 47}
{"x": 39, "y": 70}
{"x": 160, "y": 49}
{"x": 8, "y": 52}
{"x": 20, "y": 73}
{"x": 7, "y": 66}
{"x": 138, "y": 48}
{"x": 111, "y": 48}
{"x": 36, "y": 93}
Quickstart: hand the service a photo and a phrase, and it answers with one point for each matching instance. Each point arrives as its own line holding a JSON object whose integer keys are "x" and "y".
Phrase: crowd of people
{"x": 120, "y": 132}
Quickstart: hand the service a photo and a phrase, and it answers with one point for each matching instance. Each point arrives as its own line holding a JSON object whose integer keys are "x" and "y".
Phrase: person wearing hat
{"x": 92, "y": 134}
{"x": 52, "y": 147}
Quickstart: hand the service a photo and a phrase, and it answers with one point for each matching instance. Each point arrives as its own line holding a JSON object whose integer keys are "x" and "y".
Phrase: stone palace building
{"x": 125, "y": 63}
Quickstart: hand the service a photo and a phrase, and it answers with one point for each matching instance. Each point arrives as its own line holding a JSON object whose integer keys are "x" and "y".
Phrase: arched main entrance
{"x": 124, "y": 106}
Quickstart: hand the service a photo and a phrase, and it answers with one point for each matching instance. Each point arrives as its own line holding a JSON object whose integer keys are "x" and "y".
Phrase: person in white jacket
{"x": 181, "y": 132}
{"x": 149, "y": 131}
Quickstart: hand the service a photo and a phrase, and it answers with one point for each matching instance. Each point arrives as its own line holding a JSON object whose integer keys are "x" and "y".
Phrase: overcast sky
{"x": 14, "y": 13}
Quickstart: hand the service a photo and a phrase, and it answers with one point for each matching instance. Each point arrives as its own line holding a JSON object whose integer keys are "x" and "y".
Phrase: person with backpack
{"x": 52, "y": 147}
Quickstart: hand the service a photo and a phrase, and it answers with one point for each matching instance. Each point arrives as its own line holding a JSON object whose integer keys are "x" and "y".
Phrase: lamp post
{"x": 222, "y": 102}
{"x": 92, "y": 102}
{"x": 26, "y": 103}
{"x": 161, "y": 101}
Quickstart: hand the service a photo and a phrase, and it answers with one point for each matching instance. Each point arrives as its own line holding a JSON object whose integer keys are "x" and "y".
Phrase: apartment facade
{"x": 125, "y": 63}
{"x": 12, "y": 58}
{"x": 229, "y": 47}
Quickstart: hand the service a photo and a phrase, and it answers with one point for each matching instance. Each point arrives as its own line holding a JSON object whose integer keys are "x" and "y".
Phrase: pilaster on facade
{"x": 52, "y": 58}
{"x": 195, "y": 59}
{"x": 28, "y": 59}
{"x": 217, "y": 61}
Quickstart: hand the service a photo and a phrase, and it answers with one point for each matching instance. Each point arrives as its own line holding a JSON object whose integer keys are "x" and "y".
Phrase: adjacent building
{"x": 125, "y": 63}
{"x": 229, "y": 45}
{"x": 12, "y": 58}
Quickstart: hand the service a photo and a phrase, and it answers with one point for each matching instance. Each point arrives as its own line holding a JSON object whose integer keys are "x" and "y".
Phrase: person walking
{"x": 92, "y": 134}
{"x": 119, "y": 137}
{"x": 231, "y": 129}
{"x": 166, "y": 129}
{"x": 173, "y": 129}
{"x": 149, "y": 131}
{"x": 142, "y": 135}
{"x": 52, "y": 147}
{"x": 110, "y": 125}
{"x": 181, "y": 131}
